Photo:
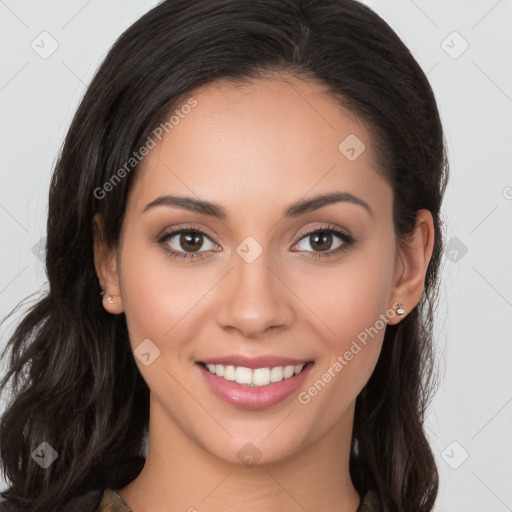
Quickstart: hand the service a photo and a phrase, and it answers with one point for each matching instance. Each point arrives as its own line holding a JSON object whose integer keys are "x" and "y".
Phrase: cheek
{"x": 349, "y": 296}
{"x": 352, "y": 355}
{"x": 161, "y": 303}
{"x": 352, "y": 302}
{"x": 157, "y": 296}
{"x": 333, "y": 391}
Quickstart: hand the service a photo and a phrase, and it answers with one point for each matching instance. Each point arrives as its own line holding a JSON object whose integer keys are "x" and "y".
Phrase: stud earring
{"x": 400, "y": 310}
{"x": 109, "y": 298}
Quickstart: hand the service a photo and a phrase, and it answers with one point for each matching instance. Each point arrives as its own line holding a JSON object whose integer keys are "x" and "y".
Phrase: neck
{"x": 179, "y": 474}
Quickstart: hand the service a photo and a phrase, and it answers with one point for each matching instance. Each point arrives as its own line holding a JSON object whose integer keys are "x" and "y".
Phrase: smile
{"x": 254, "y": 383}
{"x": 256, "y": 376}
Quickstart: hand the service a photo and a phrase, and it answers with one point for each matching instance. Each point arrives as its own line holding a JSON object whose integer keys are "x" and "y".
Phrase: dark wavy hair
{"x": 74, "y": 381}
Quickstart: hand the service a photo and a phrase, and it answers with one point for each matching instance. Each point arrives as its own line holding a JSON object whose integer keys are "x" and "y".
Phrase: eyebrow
{"x": 294, "y": 210}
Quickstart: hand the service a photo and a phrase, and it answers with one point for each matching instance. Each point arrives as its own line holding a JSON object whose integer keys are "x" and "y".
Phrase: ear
{"x": 105, "y": 263}
{"x": 411, "y": 264}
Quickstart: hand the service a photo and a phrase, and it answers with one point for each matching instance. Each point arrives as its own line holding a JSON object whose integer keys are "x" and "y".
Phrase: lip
{"x": 257, "y": 397}
{"x": 267, "y": 361}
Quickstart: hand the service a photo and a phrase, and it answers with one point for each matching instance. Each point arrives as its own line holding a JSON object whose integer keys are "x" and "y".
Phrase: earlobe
{"x": 414, "y": 255}
{"x": 106, "y": 269}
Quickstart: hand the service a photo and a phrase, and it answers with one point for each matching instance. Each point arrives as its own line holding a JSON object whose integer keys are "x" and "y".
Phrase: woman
{"x": 243, "y": 248}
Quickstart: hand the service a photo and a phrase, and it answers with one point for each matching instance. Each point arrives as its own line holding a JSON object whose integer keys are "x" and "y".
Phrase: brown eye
{"x": 322, "y": 240}
{"x": 187, "y": 242}
{"x": 190, "y": 241}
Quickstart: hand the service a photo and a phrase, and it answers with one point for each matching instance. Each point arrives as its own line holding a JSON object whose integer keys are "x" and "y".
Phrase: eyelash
{"x": 330, "y": 229}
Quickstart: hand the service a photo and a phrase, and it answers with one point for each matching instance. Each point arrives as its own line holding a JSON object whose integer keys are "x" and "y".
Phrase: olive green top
{"x": 112, "y": 502}
{"x": 108, "y": 500}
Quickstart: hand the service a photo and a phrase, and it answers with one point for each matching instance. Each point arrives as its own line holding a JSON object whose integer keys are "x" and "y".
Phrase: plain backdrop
{"x": 466, "y": 50}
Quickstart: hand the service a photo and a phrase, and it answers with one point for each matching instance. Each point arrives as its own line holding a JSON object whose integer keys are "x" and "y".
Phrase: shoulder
{"x": 98, "y": 500}
{"x": 88, "y": 501}
{"x": 111, "y": 501}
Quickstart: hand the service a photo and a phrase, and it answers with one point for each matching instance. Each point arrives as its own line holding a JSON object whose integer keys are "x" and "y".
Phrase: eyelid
{"x": 169, "y": 233}
{"x": 325, "y": 227}
{"x": 187, "y": 227}
{"x": 347, "y": 240}
{"x": 343, "y": 234}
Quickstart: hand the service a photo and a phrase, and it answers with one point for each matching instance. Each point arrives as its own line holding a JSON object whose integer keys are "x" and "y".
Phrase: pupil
{"x": 193, "y": 241}
{"x": 324, "y": 236}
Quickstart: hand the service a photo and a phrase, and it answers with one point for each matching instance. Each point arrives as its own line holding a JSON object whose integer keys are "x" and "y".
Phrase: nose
{"x": 254, "y": 298}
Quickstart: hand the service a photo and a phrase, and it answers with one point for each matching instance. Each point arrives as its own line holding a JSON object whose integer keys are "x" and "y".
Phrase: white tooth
{"x": 256, "y": 377}
{"x": 288, "y": 371}
{"x": 243, "y": 375}
{"x": 229, "y": 372}
{"x": 261, "y": 376}
{"x": 276, "y": 374}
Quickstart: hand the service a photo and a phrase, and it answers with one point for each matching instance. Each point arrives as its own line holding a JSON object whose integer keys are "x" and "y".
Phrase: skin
{"x": 255, "y": 149}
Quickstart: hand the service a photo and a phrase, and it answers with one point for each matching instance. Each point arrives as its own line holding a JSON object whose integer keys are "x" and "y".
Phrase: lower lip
{"x": 254, "y": 397}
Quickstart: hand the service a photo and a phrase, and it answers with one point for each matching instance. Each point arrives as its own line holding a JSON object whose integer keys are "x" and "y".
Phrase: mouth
{"x": 255, "y": 377}
{"x": 249, "y": 384}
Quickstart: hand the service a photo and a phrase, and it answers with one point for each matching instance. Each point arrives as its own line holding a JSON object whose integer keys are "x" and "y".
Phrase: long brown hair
{"x": 74, "y": 381}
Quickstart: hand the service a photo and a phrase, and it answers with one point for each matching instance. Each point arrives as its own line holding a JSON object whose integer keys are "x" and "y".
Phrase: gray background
{"x": 470, "y": 419}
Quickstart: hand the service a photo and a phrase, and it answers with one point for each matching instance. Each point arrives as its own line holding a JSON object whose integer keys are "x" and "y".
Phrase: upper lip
{"x": 266, "y": 361}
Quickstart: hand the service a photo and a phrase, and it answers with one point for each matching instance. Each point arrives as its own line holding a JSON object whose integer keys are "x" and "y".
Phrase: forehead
{"x": 269, "y": 142}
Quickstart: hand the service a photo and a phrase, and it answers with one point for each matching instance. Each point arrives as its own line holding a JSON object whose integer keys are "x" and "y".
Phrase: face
{"x": 265, "y": 284}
